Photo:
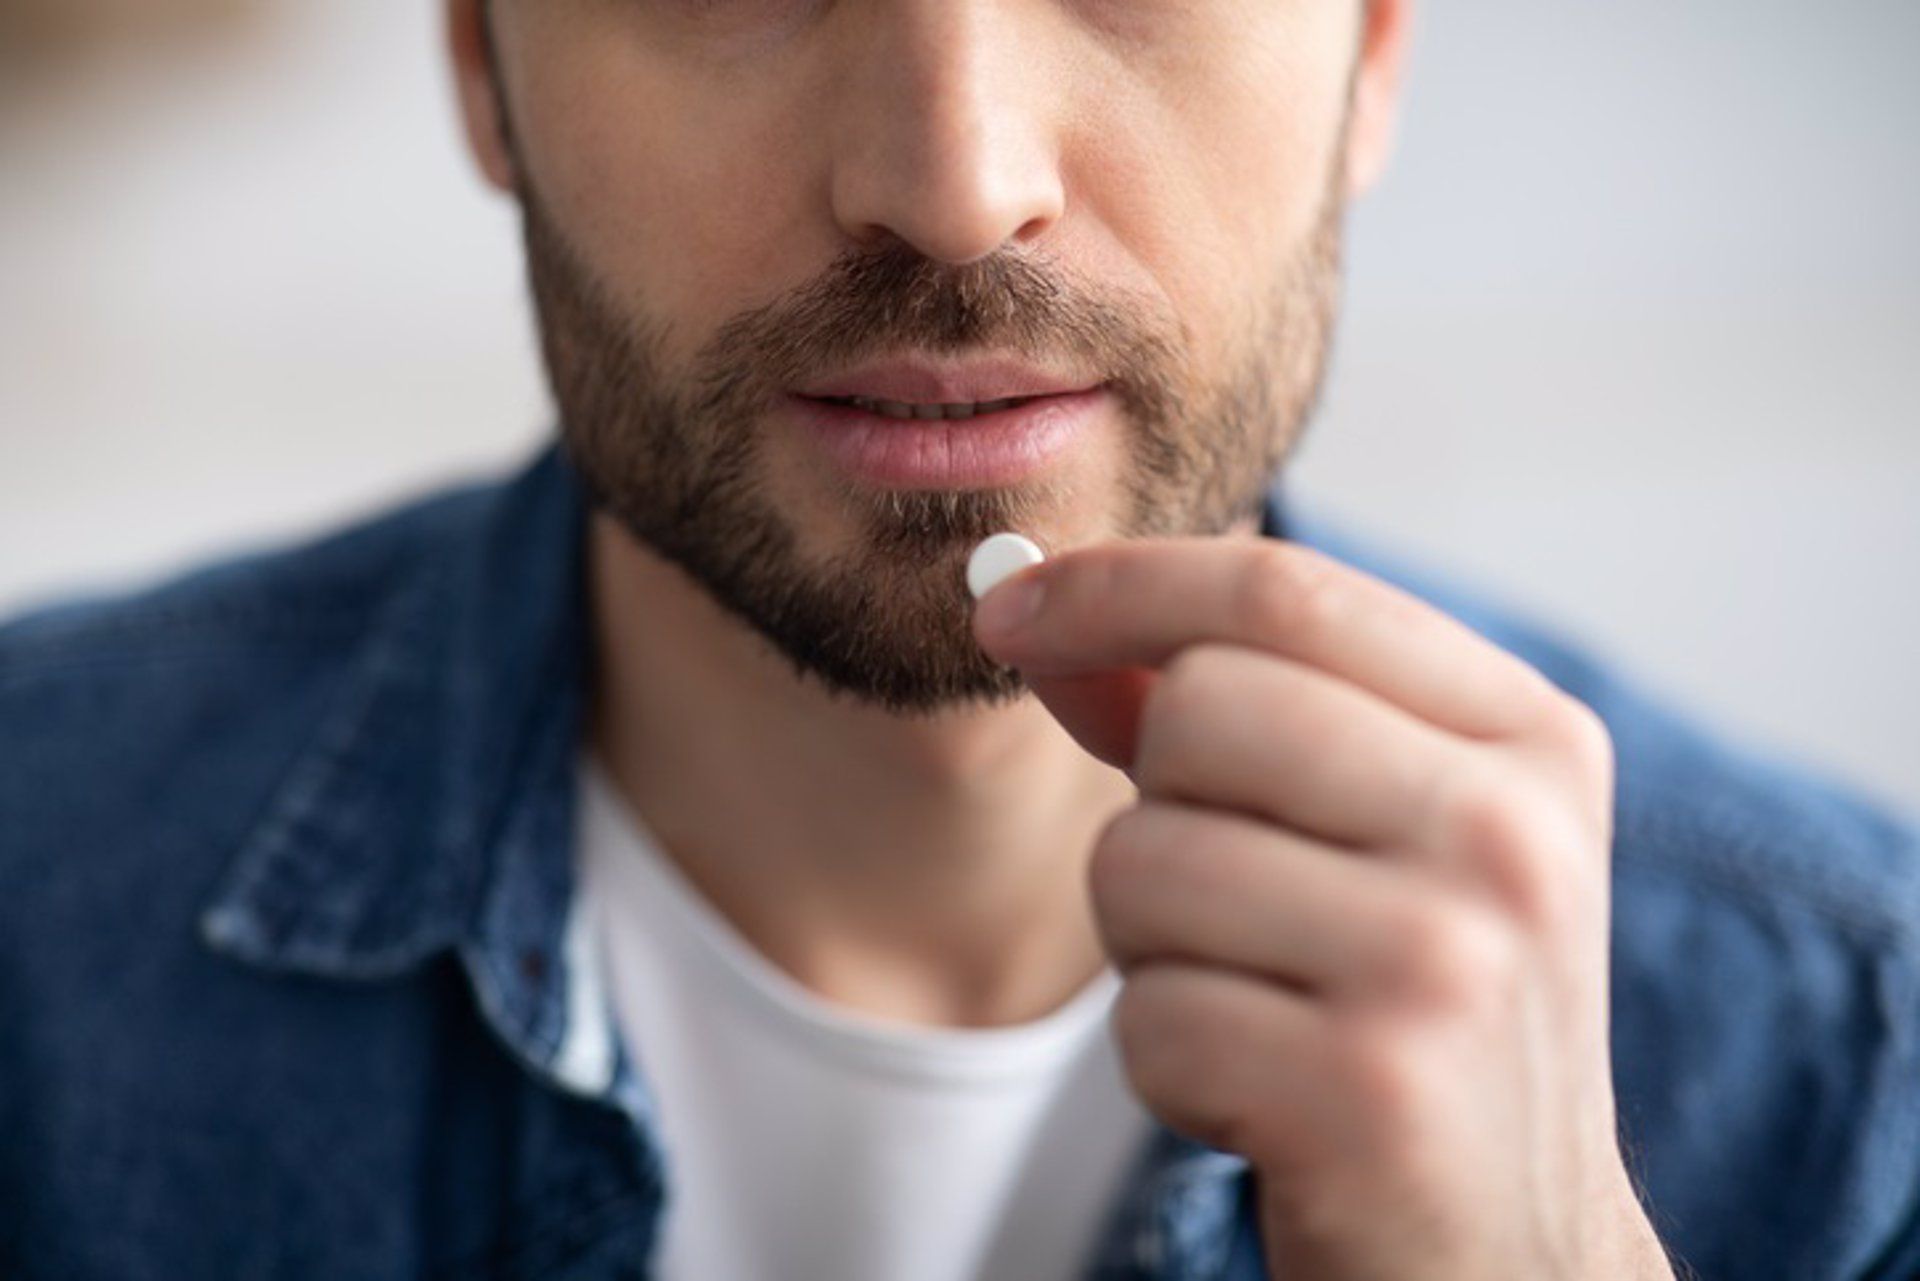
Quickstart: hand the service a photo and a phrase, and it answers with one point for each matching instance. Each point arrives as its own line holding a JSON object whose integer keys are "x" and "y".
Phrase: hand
{"x": 1360, "y": 908}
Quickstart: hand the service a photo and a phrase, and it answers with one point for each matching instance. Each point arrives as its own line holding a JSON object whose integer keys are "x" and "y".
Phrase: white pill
{"x": 998, "y": 557}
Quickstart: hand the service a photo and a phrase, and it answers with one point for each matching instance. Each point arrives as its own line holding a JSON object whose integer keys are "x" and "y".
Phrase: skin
{"x": 1350, "y": 859}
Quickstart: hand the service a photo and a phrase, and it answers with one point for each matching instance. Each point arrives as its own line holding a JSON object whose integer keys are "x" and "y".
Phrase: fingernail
{"x": 1010, "y": 606}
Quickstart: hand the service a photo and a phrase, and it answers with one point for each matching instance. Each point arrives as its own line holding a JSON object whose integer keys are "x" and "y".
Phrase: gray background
{"x": 1629, "y": 339}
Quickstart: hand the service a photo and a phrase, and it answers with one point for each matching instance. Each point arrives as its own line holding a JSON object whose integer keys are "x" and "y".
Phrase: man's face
{"x": 740, "y": 212}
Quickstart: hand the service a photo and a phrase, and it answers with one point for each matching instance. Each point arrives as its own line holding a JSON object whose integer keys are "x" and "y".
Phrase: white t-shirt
{"x": 808, "y": 1141}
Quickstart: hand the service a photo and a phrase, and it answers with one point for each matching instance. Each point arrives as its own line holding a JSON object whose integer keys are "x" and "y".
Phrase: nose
{"x": 944, "y": 133}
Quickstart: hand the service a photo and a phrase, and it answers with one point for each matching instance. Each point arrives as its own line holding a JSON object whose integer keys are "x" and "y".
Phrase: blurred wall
{"x": 1629, "y": 334}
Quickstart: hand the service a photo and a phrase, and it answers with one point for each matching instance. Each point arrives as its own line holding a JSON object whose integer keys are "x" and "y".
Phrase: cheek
{"x": 1213, "y": 169}
{"x": 694, "y": 224}
{"x": 1262, "y": 116}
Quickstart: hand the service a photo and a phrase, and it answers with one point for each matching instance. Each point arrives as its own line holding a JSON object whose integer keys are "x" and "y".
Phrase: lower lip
{"x": 1001, "y": 448}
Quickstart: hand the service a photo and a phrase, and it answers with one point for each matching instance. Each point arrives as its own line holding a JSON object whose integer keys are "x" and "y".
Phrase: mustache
{"x": 895, "y": 299}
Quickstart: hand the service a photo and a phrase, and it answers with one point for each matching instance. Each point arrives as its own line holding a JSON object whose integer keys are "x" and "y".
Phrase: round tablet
{"x": 998, "y": 557}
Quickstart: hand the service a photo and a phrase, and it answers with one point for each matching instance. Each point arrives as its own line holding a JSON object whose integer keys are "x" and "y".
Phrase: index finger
{"x": 1134, "y": 604}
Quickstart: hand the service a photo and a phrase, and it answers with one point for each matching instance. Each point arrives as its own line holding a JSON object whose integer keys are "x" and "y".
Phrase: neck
{"x": 925, "y": 869}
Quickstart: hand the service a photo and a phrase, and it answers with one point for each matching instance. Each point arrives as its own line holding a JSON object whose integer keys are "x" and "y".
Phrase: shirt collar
{"x": 430, "y": 808}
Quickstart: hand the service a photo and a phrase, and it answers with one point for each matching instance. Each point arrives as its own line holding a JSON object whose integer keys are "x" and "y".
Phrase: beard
{"x": 678, "y": 457}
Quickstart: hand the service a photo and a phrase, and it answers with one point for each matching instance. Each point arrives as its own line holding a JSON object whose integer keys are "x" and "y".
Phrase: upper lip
{"x": 926, "y": 381}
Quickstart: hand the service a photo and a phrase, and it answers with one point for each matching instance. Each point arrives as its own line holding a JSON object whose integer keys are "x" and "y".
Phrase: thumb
{"x": 1099, "y": 706}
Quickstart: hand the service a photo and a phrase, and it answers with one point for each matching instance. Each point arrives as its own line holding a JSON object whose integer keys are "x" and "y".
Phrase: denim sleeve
{"x": 1896, "y": 1161}
{"x": 1901, "y": 1260}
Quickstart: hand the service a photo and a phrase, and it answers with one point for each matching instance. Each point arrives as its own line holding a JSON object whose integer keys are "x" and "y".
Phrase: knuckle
{"x": 1457, "y": 953}
{"x": 1391, "y": 1080}
{"x": 1125, "y": 851}
{"x": 1174, "y": 1056}
{"x": 1132, "y": 1021}
{"x": 1153, "y": 1024}
{"x": 1488, "y": 817}
{"x": 1286, "y": 590}
{"x": 1562, "y": 720}
{"x": 1585, "y": 735}
{"x": 1154, "y": 1034}
{"x": 1324, "y": 1209}
{"x": 1513, "y": 840}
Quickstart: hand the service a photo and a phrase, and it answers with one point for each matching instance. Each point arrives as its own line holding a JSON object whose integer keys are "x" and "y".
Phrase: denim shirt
{"x": 290, "y": 985}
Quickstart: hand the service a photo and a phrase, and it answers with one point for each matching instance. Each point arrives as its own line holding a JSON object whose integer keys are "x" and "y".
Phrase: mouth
{"x": 903, "y": 410}
{"x": 951, "y": 444}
